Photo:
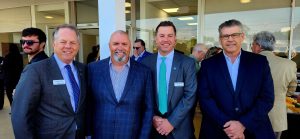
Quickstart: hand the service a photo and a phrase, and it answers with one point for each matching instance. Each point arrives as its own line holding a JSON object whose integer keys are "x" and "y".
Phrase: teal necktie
{"x": 162, "y": 90}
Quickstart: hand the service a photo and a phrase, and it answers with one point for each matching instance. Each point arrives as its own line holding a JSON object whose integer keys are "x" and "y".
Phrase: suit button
{"x": 236, "y": 109}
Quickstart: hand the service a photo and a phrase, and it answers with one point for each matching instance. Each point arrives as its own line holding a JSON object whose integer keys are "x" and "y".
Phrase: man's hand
{"x": 165, "y": 128}
{"x": 234, "y": 130}
{"x": 156, "y": 121}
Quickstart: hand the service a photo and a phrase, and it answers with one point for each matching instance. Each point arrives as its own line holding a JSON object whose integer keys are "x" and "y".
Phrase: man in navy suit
{"x": 49, "y": 101}
{"x": 236, "y": 90}
{"x": 175, "y": 87}
{"x": 121, "y": 98}
{"x": 139, "y": 50}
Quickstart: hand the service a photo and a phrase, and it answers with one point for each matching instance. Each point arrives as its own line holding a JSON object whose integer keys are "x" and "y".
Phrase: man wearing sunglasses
{"x": 139, "y": 50}
{"x": 33, "y": 43}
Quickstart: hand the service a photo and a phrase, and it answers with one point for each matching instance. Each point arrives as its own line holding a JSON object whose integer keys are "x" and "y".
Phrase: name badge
{"x": 59, "y": 82}
{"x": 179, "y": 84}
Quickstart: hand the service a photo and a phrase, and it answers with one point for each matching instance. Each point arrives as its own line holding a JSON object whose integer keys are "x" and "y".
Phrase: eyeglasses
{"x": 227, "y": 36}
{"x": 28, "y": 42}
{"x": 137, "y": 48}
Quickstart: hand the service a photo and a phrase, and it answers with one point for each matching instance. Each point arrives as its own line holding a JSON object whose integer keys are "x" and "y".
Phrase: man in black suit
{"x": 33, "y": 43}
{"x": 49, "y": 101}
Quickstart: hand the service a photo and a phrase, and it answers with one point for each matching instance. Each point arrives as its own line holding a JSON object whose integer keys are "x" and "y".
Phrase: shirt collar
{"x": 61, "y": 64}
{"x": 168, "y": 56}
{"x": 228, "y": 58}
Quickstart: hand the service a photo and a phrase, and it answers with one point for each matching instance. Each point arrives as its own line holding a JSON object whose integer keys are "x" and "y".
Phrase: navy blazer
{"x": 145, "y": 54}
{"x": 181, "y": 94}
{"x": 250, "y": 103}
{"x": 128, "y": 118}
{"x": 42, "y": 108}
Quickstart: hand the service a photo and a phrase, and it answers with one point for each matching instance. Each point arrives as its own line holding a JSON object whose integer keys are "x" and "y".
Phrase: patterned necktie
{"x": 162, "y": 90}
{"x": 75, "y": 87}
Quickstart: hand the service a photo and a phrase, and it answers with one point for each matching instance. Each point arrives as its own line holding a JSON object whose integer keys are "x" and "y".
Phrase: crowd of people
{"x": 151, "y": 96}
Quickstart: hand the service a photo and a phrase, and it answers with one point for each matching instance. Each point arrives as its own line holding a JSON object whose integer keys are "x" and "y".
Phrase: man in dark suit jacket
{"x": 236, "y": 90}
{"x": 49, "y": 101}
{"x": 175, "y": 87}
{"x": 33, "y": 42}
{"x": 139, "y": 50}
{"x": 120, "y": 99}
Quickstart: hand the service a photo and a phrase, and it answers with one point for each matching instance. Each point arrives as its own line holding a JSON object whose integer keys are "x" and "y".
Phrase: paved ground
{"x": 5, "y": 124}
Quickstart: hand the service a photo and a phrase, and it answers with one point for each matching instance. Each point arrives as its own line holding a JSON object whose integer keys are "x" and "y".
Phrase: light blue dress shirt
{"x": 233, "y": 68}
{"x": 64, "y": 73}
{"x": 168, "y": 61}
{"x": 119, "y": 78}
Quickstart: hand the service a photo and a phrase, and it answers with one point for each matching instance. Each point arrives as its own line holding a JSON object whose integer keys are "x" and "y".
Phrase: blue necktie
{"x": 162, "y": 90}
{"x": 75, "y": 87}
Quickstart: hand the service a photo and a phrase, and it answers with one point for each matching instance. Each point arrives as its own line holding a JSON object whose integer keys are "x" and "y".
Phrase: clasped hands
{"x": 234, "y": 130}
{"x": 162, "y": 125}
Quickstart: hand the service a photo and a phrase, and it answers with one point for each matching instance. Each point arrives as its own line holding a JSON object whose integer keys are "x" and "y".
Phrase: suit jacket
{"x": 42, "y": 107}
{"x": 250, "y": 103}
{"x": 128, "y": 118}
{"x": 145, "y": 54}
{"x": 38, "y": 57}
{"x": 283, "y": 72}
{"x": 180, "y": 98}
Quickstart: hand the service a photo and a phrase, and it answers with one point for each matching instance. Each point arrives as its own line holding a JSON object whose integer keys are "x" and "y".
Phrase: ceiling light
{"x": 127, "y": 11}
{"x": 127, "y": 4}
{"x": 245, "y": 1}
{"x": 285, "y": 29}
{"x": 185, "y": 18}
{"x": 49, "y": 17}
{"x": 192, "y": 24}
{"x": 171, "y": 10}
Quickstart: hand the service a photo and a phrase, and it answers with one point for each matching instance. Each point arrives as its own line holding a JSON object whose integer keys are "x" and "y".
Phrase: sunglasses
{"x": 137, "y": 48}
{"x": 28, "y": 42}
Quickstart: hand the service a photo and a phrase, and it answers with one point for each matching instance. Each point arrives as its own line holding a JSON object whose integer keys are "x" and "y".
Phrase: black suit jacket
{"x": 38, "y": 57}
{"x": 42, "y": 107}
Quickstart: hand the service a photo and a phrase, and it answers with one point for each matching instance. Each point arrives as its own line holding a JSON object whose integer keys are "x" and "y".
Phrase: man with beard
{"x": 120, "y": 99}
{"x": 33, "y": 43}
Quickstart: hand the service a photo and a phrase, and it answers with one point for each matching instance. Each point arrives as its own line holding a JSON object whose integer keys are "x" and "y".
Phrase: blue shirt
{"x": 233, "y": 68}
{"x": 65, "y": 75}
{"x": 119, "y": 78}
{"x": 168, "y": 61}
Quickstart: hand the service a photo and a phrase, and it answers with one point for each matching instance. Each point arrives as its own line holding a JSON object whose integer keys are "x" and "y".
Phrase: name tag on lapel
{"x": 179, "y": 84}
{"x": 59, "y": 82}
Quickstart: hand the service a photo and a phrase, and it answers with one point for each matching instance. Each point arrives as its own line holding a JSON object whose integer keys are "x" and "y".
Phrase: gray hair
{"x": 265, "y": 40}
{"x": 200, "y": 47}
{"x": 231, "y": 23}
{"x": 69, "y": 26}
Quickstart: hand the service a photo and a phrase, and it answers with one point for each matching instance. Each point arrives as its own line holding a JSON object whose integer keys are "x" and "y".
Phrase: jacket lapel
{"x": 225, "y": 72}
{"x": 61, "y": 89}
{"x": 173, "y": 76}
{"x": 108, "y": 82}
{"x": 80, "y": 73}
{"x": 241, "y": 73}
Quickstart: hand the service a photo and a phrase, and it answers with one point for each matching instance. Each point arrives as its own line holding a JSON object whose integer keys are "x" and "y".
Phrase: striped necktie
{"x": 75, "y": 87}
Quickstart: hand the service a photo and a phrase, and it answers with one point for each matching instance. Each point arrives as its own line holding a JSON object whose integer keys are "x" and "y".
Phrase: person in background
{"x": 284, "y": 74}
{"x": 212, "y": 51}
{"x": 175, "y": 87}
{"x": 235, "y": 90}
{"x": 49, "y": 101}
{"x": 1, "y": 83}
{"x": 33, "y": 42}
{"x": 120, "y": 100}
{"x": 93, "y": 56}
{"x": 12, "y": 66}
{"x": 198, "y": 54}
{"x": 139, "y": 50}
